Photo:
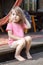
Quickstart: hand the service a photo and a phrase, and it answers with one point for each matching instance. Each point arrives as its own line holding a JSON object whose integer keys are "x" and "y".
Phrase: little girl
{"x": 15, "y": 28}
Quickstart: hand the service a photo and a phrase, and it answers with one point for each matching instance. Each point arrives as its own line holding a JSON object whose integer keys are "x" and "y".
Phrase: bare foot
{"x": 28, "y": 56}
{"x": 19, "y": 58}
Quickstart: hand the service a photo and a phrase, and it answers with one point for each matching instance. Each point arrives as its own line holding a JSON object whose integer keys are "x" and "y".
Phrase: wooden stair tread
{"x": 5, "y": 48}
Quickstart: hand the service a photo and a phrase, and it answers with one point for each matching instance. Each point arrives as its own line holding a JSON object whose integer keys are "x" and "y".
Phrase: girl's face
{"x": 14, "y": 17}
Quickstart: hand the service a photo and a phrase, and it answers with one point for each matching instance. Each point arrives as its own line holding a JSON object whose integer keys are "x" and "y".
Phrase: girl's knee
{"x": 28, "y": 38}
{"x": 23, "y": 42}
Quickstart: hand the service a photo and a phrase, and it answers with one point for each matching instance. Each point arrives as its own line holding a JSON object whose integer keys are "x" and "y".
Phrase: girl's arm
{"x": 12, "y": 36}
{"x": 27, "y": 23}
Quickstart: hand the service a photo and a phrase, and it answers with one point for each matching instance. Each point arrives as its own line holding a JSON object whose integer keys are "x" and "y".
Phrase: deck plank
{"x": 37, "y": 39}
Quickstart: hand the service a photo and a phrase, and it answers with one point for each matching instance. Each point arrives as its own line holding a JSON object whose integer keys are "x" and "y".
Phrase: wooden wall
{"x": 40, "y": 3}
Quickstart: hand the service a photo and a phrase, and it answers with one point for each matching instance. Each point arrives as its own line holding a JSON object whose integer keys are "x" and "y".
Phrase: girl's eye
{"x": 13, "y": 14}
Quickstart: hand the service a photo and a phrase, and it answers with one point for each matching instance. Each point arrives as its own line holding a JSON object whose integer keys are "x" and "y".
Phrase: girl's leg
{"x": 20, "y": 46}
{"x": 28, "y": 45}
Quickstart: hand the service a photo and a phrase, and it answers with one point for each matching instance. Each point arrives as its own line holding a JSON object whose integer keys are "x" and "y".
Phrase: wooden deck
{"x": 5, "y": 50}
{"x": 37, "y": 39}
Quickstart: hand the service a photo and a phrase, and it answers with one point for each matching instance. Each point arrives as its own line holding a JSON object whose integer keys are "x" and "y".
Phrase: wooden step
{"x": 37, "y": 40}
{"x": 5, "y": 48}
{"x": 7, "y": 52}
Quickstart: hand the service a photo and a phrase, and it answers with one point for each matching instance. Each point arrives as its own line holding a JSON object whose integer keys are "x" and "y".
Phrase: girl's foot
{"x": 19, "y": 58}
{"x": 28, "y": 56}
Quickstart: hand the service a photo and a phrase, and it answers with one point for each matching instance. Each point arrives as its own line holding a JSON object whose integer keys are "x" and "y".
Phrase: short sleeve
{"x": 9, "y": 27}
{"x": 24, "y": 26}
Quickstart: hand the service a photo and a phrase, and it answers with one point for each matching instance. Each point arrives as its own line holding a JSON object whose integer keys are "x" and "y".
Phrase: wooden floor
{"x": 37, "y": 60}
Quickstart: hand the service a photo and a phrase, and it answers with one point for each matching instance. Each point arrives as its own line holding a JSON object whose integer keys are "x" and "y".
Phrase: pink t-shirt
{"x": 17, "y": 30}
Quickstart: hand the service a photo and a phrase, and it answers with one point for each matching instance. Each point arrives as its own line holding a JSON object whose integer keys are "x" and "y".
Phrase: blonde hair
{"x": 19, "y": 12}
